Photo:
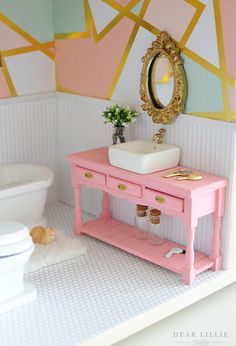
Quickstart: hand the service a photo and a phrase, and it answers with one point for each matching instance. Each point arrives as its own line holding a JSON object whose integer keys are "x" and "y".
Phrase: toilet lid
{"x": 16, "y": 248}
{"x": 12, "y": 232}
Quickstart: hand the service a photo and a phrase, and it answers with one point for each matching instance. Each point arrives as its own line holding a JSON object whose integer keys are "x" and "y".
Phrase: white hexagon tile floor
{"x": 85, "y": 296}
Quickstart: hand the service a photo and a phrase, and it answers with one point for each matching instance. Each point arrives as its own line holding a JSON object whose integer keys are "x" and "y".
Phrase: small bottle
{"x": 154, "y": 227}
{"x": 141, "y": 220}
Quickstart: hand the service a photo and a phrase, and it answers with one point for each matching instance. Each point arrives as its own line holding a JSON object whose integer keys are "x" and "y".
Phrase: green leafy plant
{"x": 119, "y": 116}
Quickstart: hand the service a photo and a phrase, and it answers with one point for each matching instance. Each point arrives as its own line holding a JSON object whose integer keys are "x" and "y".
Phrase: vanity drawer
{"x": 124, "y": 186}
{"x": 91, "y": 176}
{"x": 160, "y": 198}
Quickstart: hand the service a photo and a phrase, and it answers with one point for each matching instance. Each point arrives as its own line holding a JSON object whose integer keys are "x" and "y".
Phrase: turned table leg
{"x": 217, "y": 217}
{"x": 78, "y": 220}
{"x": 215, "y": 252}
{"x": 105, "y": 206}
{"x": 189, "y": 273}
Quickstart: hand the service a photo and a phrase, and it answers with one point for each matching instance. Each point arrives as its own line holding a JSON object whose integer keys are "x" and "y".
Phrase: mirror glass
{"x": 161, "y": 85}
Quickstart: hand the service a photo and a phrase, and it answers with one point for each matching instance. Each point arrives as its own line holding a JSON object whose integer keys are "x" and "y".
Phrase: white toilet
{"x": 16, "y": 247}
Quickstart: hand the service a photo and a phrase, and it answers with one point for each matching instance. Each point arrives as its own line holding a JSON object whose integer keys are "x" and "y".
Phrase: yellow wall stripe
{"x": 8, "y": 77}
{"x": 26, "y": 36}
{"x": 222, "y": 61}
{"x": 127, "y": 50}
{"x": 27, "y": 49}
{"x": 199, "y": 9}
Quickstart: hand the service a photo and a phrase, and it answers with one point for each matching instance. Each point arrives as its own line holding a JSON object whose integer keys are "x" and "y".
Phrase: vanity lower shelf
{"x": 127, "y": 238}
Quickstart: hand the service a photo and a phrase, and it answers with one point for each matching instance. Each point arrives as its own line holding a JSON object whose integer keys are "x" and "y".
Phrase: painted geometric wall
{"x": 27, "y": 62}
{"x": 99, "y": 45}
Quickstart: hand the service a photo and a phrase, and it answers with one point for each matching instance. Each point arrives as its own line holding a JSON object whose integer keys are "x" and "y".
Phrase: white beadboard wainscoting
{"x": 44, "y": 129}
{"x": 28, "y": 132}
{"x": 210, "y": 146}
{"x": 205, "y": 144}
{"x": 81, "y": 127}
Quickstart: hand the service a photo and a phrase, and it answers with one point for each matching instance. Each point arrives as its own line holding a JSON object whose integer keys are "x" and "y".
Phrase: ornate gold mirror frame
{"x": 165, "y": 114}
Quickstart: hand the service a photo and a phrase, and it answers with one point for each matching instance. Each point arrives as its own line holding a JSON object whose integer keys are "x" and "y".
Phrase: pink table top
{"x": 97, "y": 160}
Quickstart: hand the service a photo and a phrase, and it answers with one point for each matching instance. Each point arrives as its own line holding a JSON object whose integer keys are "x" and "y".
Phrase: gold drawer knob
{"x": 88, "y": 175}
{"x": 122, "y": 187}
{"x": 160, "y": 199}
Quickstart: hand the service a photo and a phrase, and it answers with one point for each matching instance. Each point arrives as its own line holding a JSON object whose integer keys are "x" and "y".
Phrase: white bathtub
{"x": 23, "y": 193}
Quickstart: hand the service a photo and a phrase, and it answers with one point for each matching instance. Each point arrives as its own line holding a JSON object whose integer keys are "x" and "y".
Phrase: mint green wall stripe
{"x": 69, "y": 16}
{"x": 136, "y": 9}
{"x": 204, "y": 89}
{"x": 33, "y": 16}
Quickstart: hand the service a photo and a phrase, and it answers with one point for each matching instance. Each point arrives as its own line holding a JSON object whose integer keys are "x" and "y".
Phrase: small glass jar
{"x": 155, "y": 216}
{"x": 141, "y": 221}
{"x": 154, "y": 227}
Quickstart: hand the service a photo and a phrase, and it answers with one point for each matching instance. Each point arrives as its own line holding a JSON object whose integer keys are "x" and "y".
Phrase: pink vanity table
{"x": 187, "y": 200}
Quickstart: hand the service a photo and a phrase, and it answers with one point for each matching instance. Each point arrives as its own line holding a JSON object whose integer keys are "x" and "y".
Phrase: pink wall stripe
{"x": 173, "y": 16}
{"x": 88, "y": 67}
{"x": 228, "y": 11}
{"x": 9, "y": 39}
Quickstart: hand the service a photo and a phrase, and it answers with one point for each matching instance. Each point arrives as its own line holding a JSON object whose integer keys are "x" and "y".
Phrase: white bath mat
{"x": 61, "y": 249}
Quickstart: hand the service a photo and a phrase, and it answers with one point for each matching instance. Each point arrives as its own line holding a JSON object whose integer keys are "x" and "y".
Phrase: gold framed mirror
{"x": 163, "y": 87}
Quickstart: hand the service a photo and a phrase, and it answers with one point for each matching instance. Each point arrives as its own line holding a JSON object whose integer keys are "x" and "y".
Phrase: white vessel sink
{"x": 144, "y": 156}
